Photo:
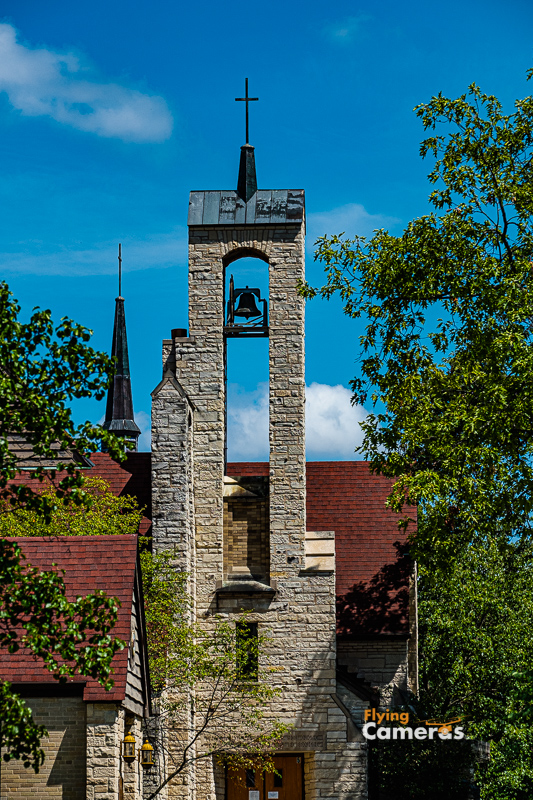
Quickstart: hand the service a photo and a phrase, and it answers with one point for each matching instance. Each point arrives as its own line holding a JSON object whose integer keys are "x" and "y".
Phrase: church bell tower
{"x": 239, "y": 530}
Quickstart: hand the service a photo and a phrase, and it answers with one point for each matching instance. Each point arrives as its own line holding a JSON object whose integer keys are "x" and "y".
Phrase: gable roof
{"x": 90, "y": 563}
{"x": 23, "y": 450}
{"x": 372, "y": 563}
{"x": 130, "y": 477}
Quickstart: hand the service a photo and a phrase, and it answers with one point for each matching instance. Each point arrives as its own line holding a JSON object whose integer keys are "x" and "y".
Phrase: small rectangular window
{"x": 250, "y": 778}
{"x": 247, "y": 651}
{"x": 278, "y": 778}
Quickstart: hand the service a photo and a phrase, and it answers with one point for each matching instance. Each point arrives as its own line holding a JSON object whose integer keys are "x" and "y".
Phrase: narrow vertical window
{"x": 250, "y": 778}
{"x": 247, "y": 650}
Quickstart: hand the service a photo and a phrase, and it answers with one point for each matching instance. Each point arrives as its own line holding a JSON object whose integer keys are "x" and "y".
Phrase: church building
{"x": 309, "y": 550}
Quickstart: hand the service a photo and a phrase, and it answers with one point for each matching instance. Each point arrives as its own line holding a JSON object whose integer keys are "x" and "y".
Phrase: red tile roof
{"x": 90, "y": 563}
{"x": 130, "y": 477}
{"x": 372, "y": 567}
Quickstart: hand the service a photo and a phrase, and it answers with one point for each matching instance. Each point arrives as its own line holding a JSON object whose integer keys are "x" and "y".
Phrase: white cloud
{"x": 144, "y": 422}
{"x": 352, "y": 219}
{"x": 247, "y": 423}
{"x": 42, "y": 82}
{"x": 161, "y": 250}
{"x": 347, "y": 29}
{"x": 332, "y": 423}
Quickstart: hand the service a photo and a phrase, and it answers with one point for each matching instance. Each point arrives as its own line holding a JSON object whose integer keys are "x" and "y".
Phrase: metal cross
{"x": 120, "y": 270}
{"x": 246, "y": 100}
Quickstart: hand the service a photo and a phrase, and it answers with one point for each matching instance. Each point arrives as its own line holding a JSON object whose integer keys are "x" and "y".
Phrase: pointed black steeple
{"x": 119, "y": 411}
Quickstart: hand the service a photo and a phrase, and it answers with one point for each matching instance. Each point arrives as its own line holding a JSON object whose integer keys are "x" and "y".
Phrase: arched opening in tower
{"x": 246, "y": 498}
{"x": 247, "y": 366}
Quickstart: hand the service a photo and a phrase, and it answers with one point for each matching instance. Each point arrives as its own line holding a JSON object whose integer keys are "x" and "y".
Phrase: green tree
{"x": 475, "y": 632}
{"x": 35, "y": 614}
{"x": 42, "y": 369}
{"x": 214, "y": 667}
{"x": 447, "y": 358}
{"x": 447, "y": 365}
{"x": 212, "y": 691}
{"x": 103, "y": 514}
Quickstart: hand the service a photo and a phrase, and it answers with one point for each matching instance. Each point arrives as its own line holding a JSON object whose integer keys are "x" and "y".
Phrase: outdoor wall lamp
{"x": 147, "y": 755}
{"x": 128, "y": 747}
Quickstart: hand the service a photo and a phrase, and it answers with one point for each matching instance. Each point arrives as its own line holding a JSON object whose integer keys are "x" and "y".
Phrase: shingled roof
{"x": 372, "y": 566}
{"x": 130, "y": 477}
{"x": 90, "y": 563}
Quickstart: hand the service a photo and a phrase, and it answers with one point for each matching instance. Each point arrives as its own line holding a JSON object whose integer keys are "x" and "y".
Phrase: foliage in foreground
{"x": 447, "y": 364}
{"x": 476, "y": 630}
{"x": 212, "y": 666}
{"x": 104, "y": 515}
{"x": 208, "y": 675}
{"x": 35, "y": 614}
{"x": 447, "y": 352}
{"x": 42, "y": 369}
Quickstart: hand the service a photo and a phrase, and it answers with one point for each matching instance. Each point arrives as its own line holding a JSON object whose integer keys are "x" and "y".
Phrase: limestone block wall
{"x": 62, "y": 776}
{"x": 105, "y": 732}
{"x": 287, "y": 402}
{"x": 199, "y": 366}
{"x": 172, "y": 472}
{"x": 299, "y": 619}
{"x": 109, "y": 776}
{"x": 132, "y": 771}
{"x": 382, "y": 663}
{"x": 154, "y": 777}
{"x": 173, "y": 521}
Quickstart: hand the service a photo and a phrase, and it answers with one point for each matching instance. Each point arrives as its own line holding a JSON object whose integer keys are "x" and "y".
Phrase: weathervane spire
{"x": 246, "y": 100}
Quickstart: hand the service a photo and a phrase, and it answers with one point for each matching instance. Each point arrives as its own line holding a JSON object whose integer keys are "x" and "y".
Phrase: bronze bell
{"x": 247, "y": 306}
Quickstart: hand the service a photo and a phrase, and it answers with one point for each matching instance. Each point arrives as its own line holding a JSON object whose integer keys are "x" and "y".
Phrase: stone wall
{"x": 299, "y": 619}
{"x": 380, "y": 662}
{"x": 109, "y": 776}
{"x": 105, "y": 732}
{"x": 62, "y": 776}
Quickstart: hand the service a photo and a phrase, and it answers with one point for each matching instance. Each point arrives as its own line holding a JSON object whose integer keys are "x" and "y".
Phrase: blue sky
{"x": 110, "y": 112}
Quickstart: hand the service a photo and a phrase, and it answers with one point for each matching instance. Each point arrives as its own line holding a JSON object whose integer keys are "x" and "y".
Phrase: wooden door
{"x": 245, "y": 785}
{"x": 284, "y": 784}
{"x": 287, "y": 782}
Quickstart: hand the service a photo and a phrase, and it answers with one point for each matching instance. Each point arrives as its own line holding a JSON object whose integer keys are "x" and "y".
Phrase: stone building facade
{"x": 308, "y": 550}
{"x": 86, "y": 725}
{"x": 241, "y": 531}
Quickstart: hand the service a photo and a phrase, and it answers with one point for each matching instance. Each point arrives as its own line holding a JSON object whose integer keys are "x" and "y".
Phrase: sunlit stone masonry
{"x": 305, "y": 548}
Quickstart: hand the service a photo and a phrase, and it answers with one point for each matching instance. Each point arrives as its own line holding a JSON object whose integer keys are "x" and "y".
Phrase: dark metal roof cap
{"x": 265, "y": 207}
{"x": 247, "y": 181}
